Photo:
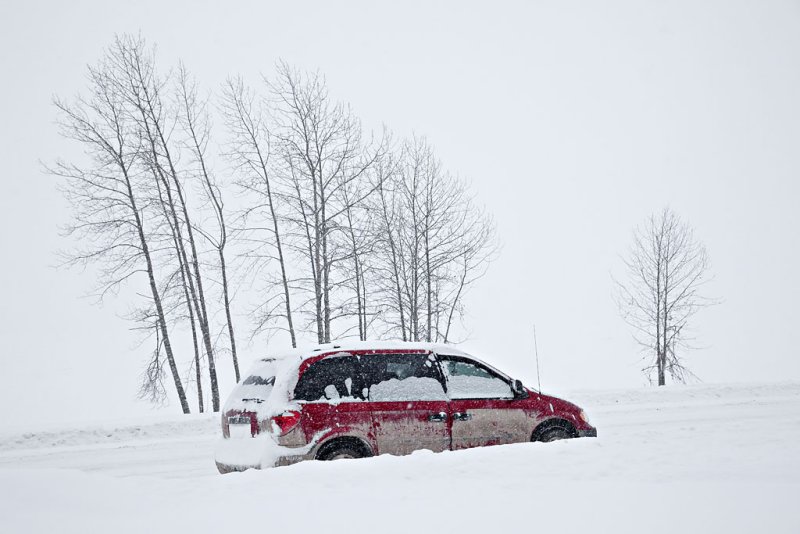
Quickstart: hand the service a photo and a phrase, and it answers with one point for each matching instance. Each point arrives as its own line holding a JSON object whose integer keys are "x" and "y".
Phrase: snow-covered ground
{"x": 677, "y": 459}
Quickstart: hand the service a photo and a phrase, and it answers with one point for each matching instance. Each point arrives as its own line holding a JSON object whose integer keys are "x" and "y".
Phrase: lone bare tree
{"x": 666, "y": 269}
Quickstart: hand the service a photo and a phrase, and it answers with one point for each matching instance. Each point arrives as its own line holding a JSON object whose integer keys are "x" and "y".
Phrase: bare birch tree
{"x": 193, "y": 117}
{"x": 135, "y": 75}
{"x": 666, "y": 269}
{"x": 388, "y": 270}
{"x": 249, "y": 150}
{"x": 358, "y": 235}
{"x": 181, "y": 275}
{"x": 111, "y": 219}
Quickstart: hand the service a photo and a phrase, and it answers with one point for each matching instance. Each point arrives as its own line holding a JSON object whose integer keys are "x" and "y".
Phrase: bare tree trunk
{"x": 184, "y": 277}
{"x": 249, "y": 153}
{"x": 326, "y": 288}
{"x": 157, "y": 300}
{"x": 191, "y": 115}
{"x": 428, "y": 288}
{"x": 357, "y": 272}
{"x": 659, "y": 305}
{"x": 204, "y": 327}
{"x": 189, "y": 306}
{"x": 389, "y": 235}
{"x": 227, "y": 300}
{"x": 461, "y": 285}
{"x": 197, "y": 368}
{"x": 318, "y": 275}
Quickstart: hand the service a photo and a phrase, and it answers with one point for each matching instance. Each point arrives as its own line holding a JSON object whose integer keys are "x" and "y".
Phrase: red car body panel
{"x": 403, "y": 427}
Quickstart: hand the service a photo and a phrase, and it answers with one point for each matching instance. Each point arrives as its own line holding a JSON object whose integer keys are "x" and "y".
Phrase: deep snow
{"x": 698, "y": 459}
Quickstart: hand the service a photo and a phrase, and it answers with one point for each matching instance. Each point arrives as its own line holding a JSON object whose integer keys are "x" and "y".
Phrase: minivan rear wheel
{"x": 344, "y": 452}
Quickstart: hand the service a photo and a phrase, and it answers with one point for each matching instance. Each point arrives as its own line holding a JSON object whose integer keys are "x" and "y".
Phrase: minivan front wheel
{"x": 554, "y": 434}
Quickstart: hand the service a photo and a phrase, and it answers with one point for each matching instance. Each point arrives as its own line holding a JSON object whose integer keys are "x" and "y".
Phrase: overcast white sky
{"x": 572, "y": 120}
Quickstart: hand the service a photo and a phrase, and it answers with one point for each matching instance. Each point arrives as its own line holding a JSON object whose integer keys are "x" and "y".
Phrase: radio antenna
{"x": 536, "y": 350}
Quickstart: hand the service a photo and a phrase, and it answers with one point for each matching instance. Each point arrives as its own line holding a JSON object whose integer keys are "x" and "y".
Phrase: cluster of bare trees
{"x": 432, "y": 243}
{"x": 338, "y": 232}
{"x": 357, "y": 234}
{"x": 146, "y": 140}
{"x": 666, "y": 269}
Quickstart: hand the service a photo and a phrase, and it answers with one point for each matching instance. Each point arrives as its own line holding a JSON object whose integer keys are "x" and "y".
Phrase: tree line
{"x": 336, "y": 231}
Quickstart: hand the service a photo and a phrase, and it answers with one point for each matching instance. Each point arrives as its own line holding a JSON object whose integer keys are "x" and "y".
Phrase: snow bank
{"x": 690, "y": 459}
{"x": 474, "y": 491}
{"x": 112, "y": 432}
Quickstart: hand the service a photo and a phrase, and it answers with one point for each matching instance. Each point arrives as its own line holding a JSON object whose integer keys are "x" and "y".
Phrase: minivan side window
{"x": 336, "y": 378}
{"x": 402, "y": 377}
{"x": 470, "y": 380}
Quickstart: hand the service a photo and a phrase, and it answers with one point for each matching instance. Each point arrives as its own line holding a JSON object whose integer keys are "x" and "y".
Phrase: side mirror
{"x": 519, "y": 390}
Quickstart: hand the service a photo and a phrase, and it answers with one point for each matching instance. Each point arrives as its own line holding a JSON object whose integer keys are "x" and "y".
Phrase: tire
{"x": 343, "y": 452}
{"x": 554, "y": 434}
{"x": 225, "y": 469}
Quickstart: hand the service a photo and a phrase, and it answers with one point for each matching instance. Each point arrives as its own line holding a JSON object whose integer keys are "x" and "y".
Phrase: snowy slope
{"x": 698, "y": 459}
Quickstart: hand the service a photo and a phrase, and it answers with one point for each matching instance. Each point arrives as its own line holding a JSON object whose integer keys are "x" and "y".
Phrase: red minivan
{"x": 369, "y": 398}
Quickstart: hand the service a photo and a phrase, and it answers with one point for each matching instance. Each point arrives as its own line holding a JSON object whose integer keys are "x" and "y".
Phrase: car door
{"x": 482, "y": 406}
{"x": 408, "y": 402}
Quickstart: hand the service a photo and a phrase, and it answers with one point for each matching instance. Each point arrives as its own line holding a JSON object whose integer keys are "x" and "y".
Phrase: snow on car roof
{"x": 303, "y": 353}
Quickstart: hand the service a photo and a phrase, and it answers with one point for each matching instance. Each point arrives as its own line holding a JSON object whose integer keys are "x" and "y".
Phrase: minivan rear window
{"x": 335, "y": 378}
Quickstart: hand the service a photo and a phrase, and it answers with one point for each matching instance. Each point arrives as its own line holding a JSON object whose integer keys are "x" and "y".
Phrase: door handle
{"x": 462, "y": 416}
{"x": 438, "y": 417}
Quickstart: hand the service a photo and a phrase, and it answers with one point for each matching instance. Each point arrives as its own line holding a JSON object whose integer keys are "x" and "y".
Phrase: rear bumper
{"x": 589, "y": 433}
{"x": 291, "y": 459}
{"x": 260, "y": 452}
{"x": 225, "y": 468}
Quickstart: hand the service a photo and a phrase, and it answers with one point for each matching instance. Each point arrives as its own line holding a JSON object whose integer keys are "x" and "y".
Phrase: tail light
{"x": 284, "y": 423}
